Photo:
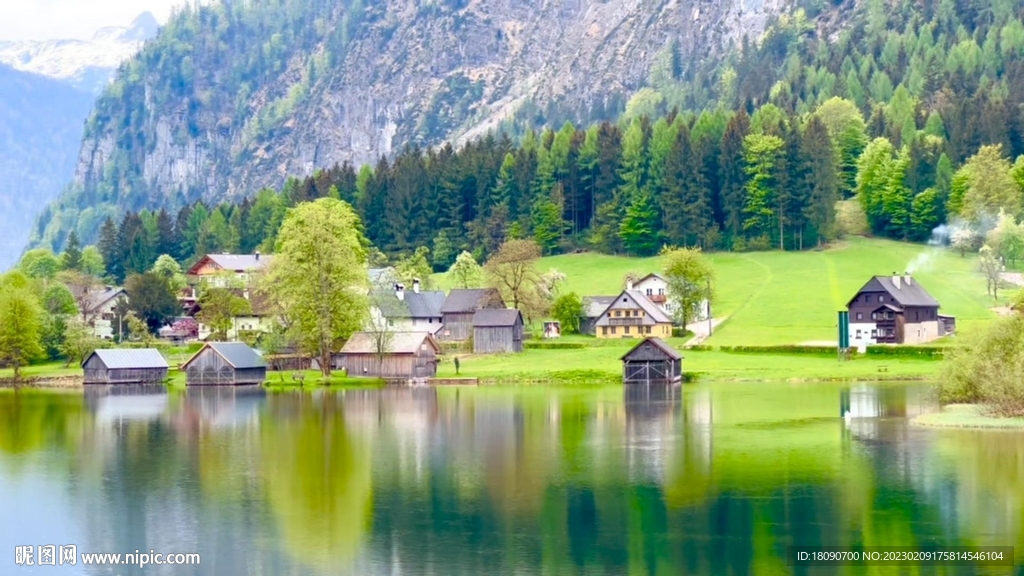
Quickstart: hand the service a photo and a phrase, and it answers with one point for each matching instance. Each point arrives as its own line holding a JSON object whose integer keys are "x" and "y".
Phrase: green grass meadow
{"x": 772, "y": 298}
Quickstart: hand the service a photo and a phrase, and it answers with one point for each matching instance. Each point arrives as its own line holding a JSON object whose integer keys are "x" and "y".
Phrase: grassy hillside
{"x": 792, "y": 297}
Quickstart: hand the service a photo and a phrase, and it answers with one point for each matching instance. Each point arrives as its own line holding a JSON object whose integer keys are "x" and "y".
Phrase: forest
{"x": 909, "y": 119}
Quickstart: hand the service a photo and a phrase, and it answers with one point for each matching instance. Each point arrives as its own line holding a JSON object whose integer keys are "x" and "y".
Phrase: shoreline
{"x": 966, "y": 417}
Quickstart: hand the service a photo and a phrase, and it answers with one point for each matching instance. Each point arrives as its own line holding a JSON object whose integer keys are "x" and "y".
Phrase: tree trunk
{"x": 325, "y": 361}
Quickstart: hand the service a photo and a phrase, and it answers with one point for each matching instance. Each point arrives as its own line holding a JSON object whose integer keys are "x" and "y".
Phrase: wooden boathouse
{"x": 225, "y": 364}
{"x": 125, "y": 366}
{"x": 652, "y": 361}
{"x": 393, "y": 355}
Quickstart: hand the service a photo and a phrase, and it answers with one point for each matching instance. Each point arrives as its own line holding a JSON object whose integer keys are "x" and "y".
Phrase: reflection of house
{"x": 633, "y": 315}
{"x": 459, "y": 307}
{"x": 223, "y": 406}
{"x": 652, "y": 361}
{"x": 497, "y": 331}
{"x": 389, "y": 355}
{"x": 895, "y": 310}
{"x": 402, "y": 310}
{"x": 225, "y": 364}
{"x": 120, "y": 403}
{"x": 99, "y": 313}
{"x": 125, "y": 366}
{"x": 593, "y": 308}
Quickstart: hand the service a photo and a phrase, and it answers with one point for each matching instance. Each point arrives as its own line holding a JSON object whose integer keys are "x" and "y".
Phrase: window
{"x": 626, "y": 331}
{"x": 860, "y": 316}
{"x": 874, "y": 333}
{"x": 858, "y": 334}
{"x": 604, "y": 330}
{"x": 650, "y": 292}
{"x": 661, "y": 291}
{"x": 648, "y": 329}
{"x": 613, "y": 329}
{"x": 617, "y": 313}
{"x": 881, "y": 298}
{"x": 890, "y": 332}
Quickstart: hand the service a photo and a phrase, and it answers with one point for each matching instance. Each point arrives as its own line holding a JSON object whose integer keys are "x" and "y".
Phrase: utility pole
{"x": 707, "y": 298}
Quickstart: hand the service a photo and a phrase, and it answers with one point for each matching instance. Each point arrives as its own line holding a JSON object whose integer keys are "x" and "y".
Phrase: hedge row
{"x": 907, "y": 351}
{"x": 782, "y": 349}
{"x": 554, "y": 345}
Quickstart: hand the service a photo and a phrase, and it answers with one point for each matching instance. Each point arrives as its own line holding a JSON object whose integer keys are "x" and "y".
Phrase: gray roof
{"x": 400, "y": 343}
{"x": 494, "y": 317}
{"x": 382, "y": 276}
{"x": 907, "y": 294}
{"x": 238, "y": 354}
{"x": 128, "y": 358}
{"x": 594, "y": 306}
{"x": 660, "y": 344}
{"x": 98, "y": 299}
{"x": 652, "y": 313}
{"x": 462, "y": 300}
{"x": 423, "y": 304}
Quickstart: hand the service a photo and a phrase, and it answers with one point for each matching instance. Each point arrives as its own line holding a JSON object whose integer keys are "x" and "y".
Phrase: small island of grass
{"x": 967, "y": 416}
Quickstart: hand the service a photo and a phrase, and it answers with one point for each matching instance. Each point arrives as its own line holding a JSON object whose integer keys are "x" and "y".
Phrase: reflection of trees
{"x": 317, "y": 475}
{"x": 32, "y": 420}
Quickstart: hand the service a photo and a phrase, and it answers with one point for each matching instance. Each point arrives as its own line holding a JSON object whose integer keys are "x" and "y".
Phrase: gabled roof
{"x": 98, "y": 299}
{"x": 382, "y": 276}
{"x": 238, "y": 354}
{"x": 233, "y": 262}
{"x": 129, "y": 358}
{"x": 423, "y": 304}
{"x": 907, "y": 294}
{"x": 649, "y": 276}
{"x": 495, "y": 317}
{"x": 400, "y": 343}
{"x": 668, "y": 350}
{"x": 462, "y": 300}
{"x": 651, "y": 310}
{"x": 594, "y": 306}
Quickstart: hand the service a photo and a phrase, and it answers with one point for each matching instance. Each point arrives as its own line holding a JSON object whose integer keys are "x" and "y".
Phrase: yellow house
{"x": 633, "y": 315}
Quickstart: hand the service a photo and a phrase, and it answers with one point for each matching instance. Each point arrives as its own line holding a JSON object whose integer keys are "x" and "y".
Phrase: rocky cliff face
{"x": 412, "y": 72}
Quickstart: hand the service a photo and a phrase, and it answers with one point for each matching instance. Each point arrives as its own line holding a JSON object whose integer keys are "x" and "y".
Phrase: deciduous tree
{"x": 568, "y": 309}
{"x": 21, "y": 326}
{"x": 151, "y": 299}
{"x": 512, "y": 270}
{"x": 465, "y": 272}
{"x": 690, "y": 278}
{"x": 218, "y": 307}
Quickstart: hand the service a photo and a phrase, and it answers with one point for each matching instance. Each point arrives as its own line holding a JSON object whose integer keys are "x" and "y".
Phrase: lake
{"x": 699, "y": 479}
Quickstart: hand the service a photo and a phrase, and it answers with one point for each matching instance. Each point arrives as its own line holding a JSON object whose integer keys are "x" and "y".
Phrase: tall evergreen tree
{"x": 110, "y": 248}
{"x": 72, "y": 258}
{"x": 820, "y": 180}
{"x": 733, "y": 173}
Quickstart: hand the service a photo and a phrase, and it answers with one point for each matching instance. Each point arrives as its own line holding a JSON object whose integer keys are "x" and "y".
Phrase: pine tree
{"x": 734, "y": 177}
{"x": 762, "y": 154}
{"x": 638, "y": 230}
{"x": 820, "y": 179}
{"x": 110, "y": 249}
{"x": 72, "y": 259}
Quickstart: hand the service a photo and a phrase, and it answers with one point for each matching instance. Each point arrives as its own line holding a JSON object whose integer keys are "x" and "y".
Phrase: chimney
{"x": 908, "y": 279}
{"x": 416, "y": 285}
{"x": 896, "y": 278}
{"x": 400, "y": 292}
{"x": 257, "y": 255}
{"x": 629, "y": 283}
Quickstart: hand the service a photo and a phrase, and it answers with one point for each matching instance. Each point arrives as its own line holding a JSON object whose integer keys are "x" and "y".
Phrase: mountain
{"x": 87, "y": 65}
{"x": 231, "y": 97}
{"x": 40, "y": 131}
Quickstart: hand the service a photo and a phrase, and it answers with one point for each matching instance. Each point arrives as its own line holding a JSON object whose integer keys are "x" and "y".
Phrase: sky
{"x": 77, "y": 19}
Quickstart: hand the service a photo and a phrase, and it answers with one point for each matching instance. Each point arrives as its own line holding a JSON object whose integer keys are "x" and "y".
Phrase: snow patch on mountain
{"x": 87, "y": 65}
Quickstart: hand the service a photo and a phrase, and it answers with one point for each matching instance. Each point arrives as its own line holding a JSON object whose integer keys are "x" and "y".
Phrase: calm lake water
{"x": 704, "y": 479}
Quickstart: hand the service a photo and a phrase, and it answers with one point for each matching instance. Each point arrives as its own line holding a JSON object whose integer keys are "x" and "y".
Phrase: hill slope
{"x": 40, "y": 130}
{"x": 230, "y": 98}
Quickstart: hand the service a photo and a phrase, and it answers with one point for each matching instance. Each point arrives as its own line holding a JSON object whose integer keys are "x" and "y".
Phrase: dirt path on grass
{"x": 700, "y": 331}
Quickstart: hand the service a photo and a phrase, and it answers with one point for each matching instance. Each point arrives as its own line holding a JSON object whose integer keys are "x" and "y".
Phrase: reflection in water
{"x": 647, "y": 479}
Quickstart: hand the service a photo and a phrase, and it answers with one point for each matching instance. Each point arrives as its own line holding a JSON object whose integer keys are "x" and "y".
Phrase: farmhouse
{"x": 652, "y": 361}
{"x": 497, "y": 331}
{"x": 225, "y": 364}
{"x": 459, "y": 307}
{"x": 125, "y": 366}
{"x": 98, "y": 309}
{"x": 895, "y": 310}
{"x": 225, "y": 269}
{"x": 632, "y": 315}
{"x": 389, "y": 355}
{"x": 400, "y": 310}
{"x": 655, "y": 287}
{"x": 593, "y": 308}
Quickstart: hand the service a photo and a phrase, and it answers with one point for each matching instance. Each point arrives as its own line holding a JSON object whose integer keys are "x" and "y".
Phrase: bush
{"x": 553, "y": 345}
{"x": 906, "y": 351}
{"x": 989, "y": 369}
{"x": 782, "y": 349}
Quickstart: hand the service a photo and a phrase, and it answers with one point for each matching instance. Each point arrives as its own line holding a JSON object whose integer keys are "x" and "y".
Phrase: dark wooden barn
{"x": 399, "y": 355}
{"x": 125, "y": 366}
{"x": 459, "y": 307}
{"x": 652, "y": 361}
{"x": 497, "y": 331}
{"x": 225, "y": 364}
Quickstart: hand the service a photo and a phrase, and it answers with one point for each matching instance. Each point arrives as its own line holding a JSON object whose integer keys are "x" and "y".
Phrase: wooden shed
{"x": 125, "y": 366}
{"x": 225, "y": 364}
{"x": 652, "y": 361}
{"x": 399, "y": 355}
{"x": 497, "y": 331}
{"x": 459, "y": 307}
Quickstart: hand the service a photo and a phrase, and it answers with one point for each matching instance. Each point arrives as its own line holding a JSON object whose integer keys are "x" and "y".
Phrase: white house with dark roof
{"x": 633, "y": 315}
{"x": 223, "y": 269}
{"x": 895, "y": 310}
{"x": 99, "y": 310}
{"x": 655, "y": 288}
{"x": 401, "y": 310}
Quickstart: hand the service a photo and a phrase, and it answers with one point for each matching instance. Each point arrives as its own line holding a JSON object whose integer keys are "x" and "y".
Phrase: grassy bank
{"x": 966, "y": 416}
{"x": 792, "y": 297}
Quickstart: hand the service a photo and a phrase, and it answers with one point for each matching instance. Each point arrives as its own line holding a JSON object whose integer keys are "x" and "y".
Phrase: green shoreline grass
{"x": 966, "y": 416}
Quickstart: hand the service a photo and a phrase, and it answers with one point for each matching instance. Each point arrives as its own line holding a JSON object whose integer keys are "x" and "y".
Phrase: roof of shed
{"x": 594, "y": 306}
{"x": 238, "y": 354}
{"x": 401, "y": 343}
{"x": 907, "y": 294}
{"x": 129, "y": 358}
{"x": 664, "y": 347}
{"x": 467, "y": 299}
{"x": 495, "y": 317}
